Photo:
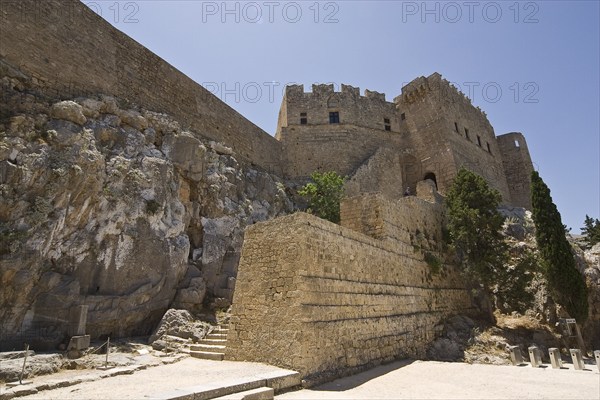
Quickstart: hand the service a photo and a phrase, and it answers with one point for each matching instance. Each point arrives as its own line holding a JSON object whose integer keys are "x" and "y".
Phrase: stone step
{"x": 218, "y": 342}
{"x": 207, "y": 355}
{"x": 261, "y": 393}
{"x": 221, "y": 330}
{"x": 277, "y": 380}
{"x": 216, "y": 336}
{"x": 207, "y": 347}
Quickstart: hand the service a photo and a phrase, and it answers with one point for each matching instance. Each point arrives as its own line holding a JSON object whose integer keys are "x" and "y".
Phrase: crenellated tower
{"x": 429, "y": 131}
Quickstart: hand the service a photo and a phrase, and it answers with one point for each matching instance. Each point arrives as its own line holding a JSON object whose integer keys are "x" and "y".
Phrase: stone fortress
{"x": 430, "y": 131}
{"x": 307, "y": 294}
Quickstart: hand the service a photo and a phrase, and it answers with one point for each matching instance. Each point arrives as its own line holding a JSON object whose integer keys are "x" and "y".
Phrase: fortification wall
{"x": 340, "y": 147}
{"x": 517, "y": 167}
{"x": 369, "y": 111}
{"x": 70, "y": 51}
{"x": 326, "y": 300}
{"x": 449, "y": 132}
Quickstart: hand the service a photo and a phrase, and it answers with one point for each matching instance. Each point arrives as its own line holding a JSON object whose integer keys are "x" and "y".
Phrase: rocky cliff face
{"x": 117, "y": 208}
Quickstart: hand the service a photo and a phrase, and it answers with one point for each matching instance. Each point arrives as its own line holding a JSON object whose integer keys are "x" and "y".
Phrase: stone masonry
{"x": 431, "y": 130}
{"x": 327, "y": 300}
{"x": 309, "y": 294}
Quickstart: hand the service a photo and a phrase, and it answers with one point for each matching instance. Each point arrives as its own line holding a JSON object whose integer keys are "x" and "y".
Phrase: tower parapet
{"x": 517, "y": 167}
{"x": 325, "y": 106}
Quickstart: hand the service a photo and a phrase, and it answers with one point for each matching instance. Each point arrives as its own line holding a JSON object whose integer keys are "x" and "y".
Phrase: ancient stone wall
{"x": 517, "y": 167}
{"x": 341, "y": 148}
{"x": 448, "y": 132}
{"x": 326, "y": 300}
{"x": 432, "y": 128}
{"x": 70, "y": 51}
{"x": 368, "y": 111}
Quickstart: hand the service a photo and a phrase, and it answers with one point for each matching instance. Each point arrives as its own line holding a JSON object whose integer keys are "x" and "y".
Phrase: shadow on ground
{"x": 343, "y": 384}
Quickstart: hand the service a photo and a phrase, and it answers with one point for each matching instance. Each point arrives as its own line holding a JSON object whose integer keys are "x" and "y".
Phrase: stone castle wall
{"x": 326, "y": 300}
{"x": 341, "y": 148}
{"x": 70, "y": 51}
{"x": 448, "y": 132}
{"x": 368, "y": 111}
{"x": 517, "y": 167}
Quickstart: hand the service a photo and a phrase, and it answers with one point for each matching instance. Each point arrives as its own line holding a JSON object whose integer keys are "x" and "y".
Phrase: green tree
{"x": 474, "y": 225}
{"x": 324, "y": 195}
{"x": 557, "y": 261}
{"x": 591, "y": 230}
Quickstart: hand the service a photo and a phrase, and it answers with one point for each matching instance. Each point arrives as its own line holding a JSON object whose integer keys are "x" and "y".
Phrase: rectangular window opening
{"x": 467, "y": 134}
{"x": 386, "y": 123}
{"x": 456, "y": 127}
{"x": 517, "y": 144}
{"x": 403, "y": 116}
{"x": 334, "y": 117}
{"x": 489, "y": 149}
{"x": 303, "y": 121}
{"x": 478, "y": 140}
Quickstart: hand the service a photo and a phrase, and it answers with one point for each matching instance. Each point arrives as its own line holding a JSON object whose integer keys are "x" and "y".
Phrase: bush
{"x": 324, "y": 195}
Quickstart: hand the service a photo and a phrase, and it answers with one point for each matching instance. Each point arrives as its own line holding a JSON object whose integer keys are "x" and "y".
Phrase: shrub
{"x": 324, "y": 195}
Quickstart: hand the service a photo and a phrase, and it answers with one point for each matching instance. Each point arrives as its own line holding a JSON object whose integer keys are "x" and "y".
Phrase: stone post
{"x": 577, "y": 359}
{"x": 515, "y": 355}
{"x": 555, "y": 358}
{"x": 78, "y": 320}
{"x": 535, "y": 356}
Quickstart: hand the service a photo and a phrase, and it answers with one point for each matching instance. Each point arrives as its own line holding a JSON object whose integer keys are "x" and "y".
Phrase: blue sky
{"x": 533, "y": 66}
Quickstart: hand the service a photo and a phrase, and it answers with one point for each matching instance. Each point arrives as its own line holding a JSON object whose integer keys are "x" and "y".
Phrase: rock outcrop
{"x": 117, "y": 208}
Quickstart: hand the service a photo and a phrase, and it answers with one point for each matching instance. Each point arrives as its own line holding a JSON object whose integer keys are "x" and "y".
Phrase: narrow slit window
{"x": 456, "y": 127}
{"x": 517, "y": 144}
{"x": 479, "y": 140}
{"x": 467, "y": 134}
{"x": 489, "y": 149}
{"x": 403, "y": 116}
{"x": 334, "y": 117}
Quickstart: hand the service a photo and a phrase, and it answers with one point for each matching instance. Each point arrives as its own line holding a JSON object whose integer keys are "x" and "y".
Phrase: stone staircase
{"x": 212, "y": 347}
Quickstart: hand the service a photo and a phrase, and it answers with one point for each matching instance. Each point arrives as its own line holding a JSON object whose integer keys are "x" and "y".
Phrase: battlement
{"x": 438, "y": 88}
{"x": 328, "y": 89}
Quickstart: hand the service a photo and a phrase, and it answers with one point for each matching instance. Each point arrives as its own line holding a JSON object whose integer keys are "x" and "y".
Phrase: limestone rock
{"x": 180, "y": 323}
{"x": 91, "y": 108}
{"x": 69, "y": 111}
{"x": 219, "y": 148}
{"x": 104, "y": 210}
{"x": 40, "y": 364}
{"x": 133, "y": 119}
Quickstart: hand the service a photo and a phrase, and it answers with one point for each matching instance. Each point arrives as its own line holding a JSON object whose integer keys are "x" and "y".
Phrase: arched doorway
{"x": 431, "y": 176}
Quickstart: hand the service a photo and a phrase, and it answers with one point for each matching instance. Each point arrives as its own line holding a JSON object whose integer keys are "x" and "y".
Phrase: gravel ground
{"x": 439, "y": 380}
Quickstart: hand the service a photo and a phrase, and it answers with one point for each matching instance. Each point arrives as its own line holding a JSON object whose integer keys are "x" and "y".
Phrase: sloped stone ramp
{"x": 262, "y": 387}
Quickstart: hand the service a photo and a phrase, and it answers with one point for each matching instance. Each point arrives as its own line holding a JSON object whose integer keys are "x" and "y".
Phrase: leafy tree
{"x": 558, "y": 263}
{"x": 474, "y": 225}
{"x": 591, "y": 230}
{"x": 324, "y": 195}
